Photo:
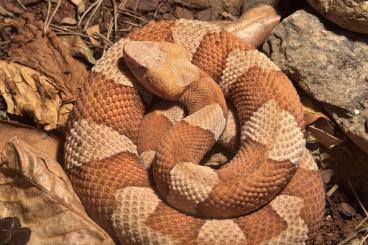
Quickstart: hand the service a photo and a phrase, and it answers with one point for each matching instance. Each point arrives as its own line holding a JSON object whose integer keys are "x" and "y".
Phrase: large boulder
{"x": 329, "y": 64}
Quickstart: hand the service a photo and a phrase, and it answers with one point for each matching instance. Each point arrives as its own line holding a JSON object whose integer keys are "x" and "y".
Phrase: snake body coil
{"x": 269, "y": 193}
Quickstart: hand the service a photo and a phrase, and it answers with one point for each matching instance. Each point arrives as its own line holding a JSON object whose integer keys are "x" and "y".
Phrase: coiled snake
{"x": 140, "y": 179}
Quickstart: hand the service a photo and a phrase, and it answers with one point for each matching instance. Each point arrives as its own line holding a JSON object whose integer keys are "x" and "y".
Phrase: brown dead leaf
{"x": 255, "y": 24}
{"x": 80, "y": 4}
{"x": 27, "y": 92}
{"x": 5, "y": 12}
{"x": 69, "y": 21}
{"x": 326, "y": 139}
{"x": 92, "y": 31}
{"x": 39, "y": 139}
{"x": 312, "y": 111}
{"x": 45, "y": 54}
{"x": 78, "y": 47}
{"x": 34, "y": 188}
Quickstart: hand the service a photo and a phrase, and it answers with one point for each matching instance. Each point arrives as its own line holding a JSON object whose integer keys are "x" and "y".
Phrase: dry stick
{"x": 47, "y": 15}
{"x": 158, "y": 7}
{"x": 358, "y": 199}
{"x": 86, "y": 12}
{"x": 48, "y": 21}
{"x": 108, "y": 32}
{"x": 21, "y": 4}
{"x": 130, "y": 14}
{"x": 115, "y": 16}
{"x": 92, "y": 14}
{"x": 67, "y": 31}
{"x": 104, "y": 38}
{"x": 131, "y": 23}
{"x": 363, "y": 240}
{"x": 122, "y": 4}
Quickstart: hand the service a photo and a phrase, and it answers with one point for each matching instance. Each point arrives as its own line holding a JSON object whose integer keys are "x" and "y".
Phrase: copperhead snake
{"x": 139, "y": 177}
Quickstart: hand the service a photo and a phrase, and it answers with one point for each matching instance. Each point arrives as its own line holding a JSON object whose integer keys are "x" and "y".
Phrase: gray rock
{"x": 329, "y": 64}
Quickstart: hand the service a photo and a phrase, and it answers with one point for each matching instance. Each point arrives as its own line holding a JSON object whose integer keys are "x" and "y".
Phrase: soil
{"x": 339, "y": 166}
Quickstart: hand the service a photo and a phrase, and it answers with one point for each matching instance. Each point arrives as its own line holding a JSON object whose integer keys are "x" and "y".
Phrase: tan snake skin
{"x": 140, "y": 178}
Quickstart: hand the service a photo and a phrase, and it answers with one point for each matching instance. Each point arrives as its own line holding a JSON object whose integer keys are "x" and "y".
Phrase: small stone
{"x": 164, "y": 8}
{"x": 148, "y": 5}
{"x": 207, "y": 14}
{"x": 356, "y": 112}
{"x": 168, "y": 16}
{"x": 183, "y": 13}
{"x": 326, "y": 175}
{"x": 346, "y": 209}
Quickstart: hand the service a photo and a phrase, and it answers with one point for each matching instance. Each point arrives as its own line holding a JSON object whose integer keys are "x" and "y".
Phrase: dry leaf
{"x": 92, "y": 31}
{"x": 80, "y": 4}
{"x": 45, "y": 54}
{"x": 43, "y": 95}
{"x": 255, "y": 24}
{"x": 78, "y": 47}
{"x": 5, "y": 12}
{"x": 68, "y": 21}
{"x": 34, "y": 188}
{"x": 323, "y": 137}
{"x": 28, "y": 93}
{"x": 46, "y": 144}
{"x": 312, "y": 112}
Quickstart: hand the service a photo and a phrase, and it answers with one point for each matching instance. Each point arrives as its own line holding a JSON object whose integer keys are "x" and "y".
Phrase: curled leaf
{"x": 45, "y": 143}
{"x": 34, "y": 188}
{"x": 78, "y": 47}
{"x": 326, "y": 139}
{"x": 312, "y": 111}
{"x": 28, "y": 93}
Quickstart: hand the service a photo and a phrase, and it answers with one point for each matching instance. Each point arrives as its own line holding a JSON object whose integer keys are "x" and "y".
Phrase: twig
{"x": 115, "y": 15}
{"x": 130, "y": 14}
{"x": 49, "y": 18}
{"x": 67, "y": 31}
{"x": 332, "y": 190}
{"x": 228, "y": 15}
{"x": 105, "y": 39}
{"x": 122, "y": 4}
{"x": 358, "y": 199}
{"x": 21, "y": 4}
{"x": 109, "y": 31}
{"x": 364, "y": 239}
{"x": 131, "y": 23}
{"x": 158, "y": 7}
{"x": 92, "y": 14}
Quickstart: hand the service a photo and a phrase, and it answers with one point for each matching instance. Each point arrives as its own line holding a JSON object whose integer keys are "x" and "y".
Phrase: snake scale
{"x": 139, "y": 176}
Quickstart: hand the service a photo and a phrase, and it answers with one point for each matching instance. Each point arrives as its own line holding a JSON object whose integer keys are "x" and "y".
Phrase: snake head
{"x": 163, "y": 68}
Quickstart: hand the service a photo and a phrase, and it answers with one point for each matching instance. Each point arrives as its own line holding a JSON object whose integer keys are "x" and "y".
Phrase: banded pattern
{"x": 269, "y": 193}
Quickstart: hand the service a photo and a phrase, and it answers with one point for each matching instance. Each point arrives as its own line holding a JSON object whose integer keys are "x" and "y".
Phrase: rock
{"x": 164, "y": 8}
{"x": 148, "y": 5}
{"x": 233, "y": 7}
{"x": 346, "y": 209}
{"x": 349, "y": 14}
{"x": 168, "y": 16}
{"x": 207, "y": 14}
{"x": 183, "y": 13}
{"x": 329, "y": 64}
